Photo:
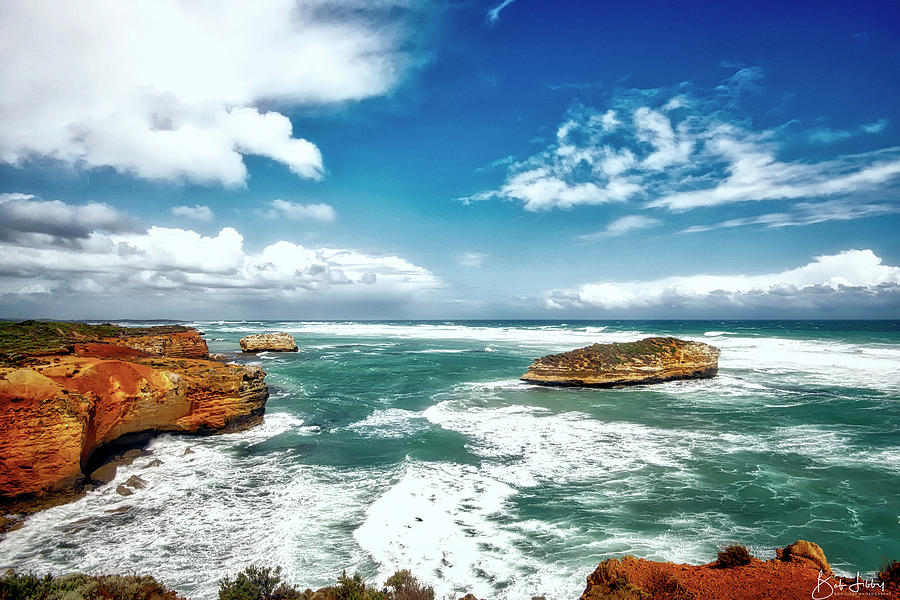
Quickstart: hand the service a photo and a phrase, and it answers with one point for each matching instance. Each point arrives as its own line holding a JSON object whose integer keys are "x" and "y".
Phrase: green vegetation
{"x": 21, "y": 341}
{"x": 733, "y": 556}
{"x": 264, "y": 583}
{"x": 253, "y": 583}
{"x": 29, "y": 586}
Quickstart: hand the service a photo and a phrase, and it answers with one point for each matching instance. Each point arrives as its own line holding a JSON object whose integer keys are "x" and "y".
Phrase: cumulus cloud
{"x": 623, "y": 225}
{"x": 684, "y": 148}
{"x": 24, "y": 216}
{"x": 105, "y": 260}
{"x": 173, "y": 89}
{"x": 163, "y": 258}
{"x": 826, "y": 282}
{"x": 295, "y": 211}
{"x": 198, "y": 212}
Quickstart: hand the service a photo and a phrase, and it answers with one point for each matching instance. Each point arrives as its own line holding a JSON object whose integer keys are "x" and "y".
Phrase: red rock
{"x": 631, "y": 577}
{"x": 181, "y": 344}
{"x": 57, "y": 413}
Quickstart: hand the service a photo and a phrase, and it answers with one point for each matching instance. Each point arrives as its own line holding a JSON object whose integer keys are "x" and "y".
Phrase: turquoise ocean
{"x": 391, "y": 445}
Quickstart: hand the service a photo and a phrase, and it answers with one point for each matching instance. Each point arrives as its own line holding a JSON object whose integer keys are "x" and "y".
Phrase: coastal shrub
{"x": 733, "y": 556}
{"x": 354, "y": 588}
{"x": 665, "y": 586}
{"x": 610, "y": 584}
{"x": 257, "y": 583}
{"x": 16, "y": 586}
{"x": 890, "y": 572}
{"x": 77, "y": 586}
{"x": 403, "y": 585}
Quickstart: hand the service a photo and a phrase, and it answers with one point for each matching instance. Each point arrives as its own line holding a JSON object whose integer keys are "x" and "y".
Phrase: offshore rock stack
{"x": 651, "y": 360}
{"x": 269, "y": 342}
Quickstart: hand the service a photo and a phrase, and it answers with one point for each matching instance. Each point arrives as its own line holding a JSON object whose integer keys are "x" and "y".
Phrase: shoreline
{"x": 702, "y": 565}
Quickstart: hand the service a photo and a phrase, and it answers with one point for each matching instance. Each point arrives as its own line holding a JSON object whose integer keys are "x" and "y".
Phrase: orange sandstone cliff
{"x": 97, "y": 385}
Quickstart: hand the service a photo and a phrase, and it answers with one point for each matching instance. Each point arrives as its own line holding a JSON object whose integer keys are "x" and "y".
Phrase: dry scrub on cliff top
{"x": 733, "y": 556}
{"x": 19, "y": 342}
{"x": 265, "y": 583}
{"x": 28, "y": 586}
{"x": 616, "y": 353}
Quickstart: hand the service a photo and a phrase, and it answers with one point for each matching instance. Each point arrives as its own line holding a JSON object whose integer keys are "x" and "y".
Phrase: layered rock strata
{"x": 58, "y": 410}
{"x": 179, "y": 344}
{"x": 651, "y": 360}
{"x": 269, "y": 342}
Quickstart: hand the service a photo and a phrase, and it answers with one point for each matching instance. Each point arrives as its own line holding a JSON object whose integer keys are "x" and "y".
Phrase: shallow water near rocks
{"x": 393, "y": 445}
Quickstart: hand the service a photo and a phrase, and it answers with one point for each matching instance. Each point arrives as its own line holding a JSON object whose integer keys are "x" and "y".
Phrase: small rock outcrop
{"x": 804, "y": 552}
{"x": 651, "y": 360}
{"x": 269, "y": 342}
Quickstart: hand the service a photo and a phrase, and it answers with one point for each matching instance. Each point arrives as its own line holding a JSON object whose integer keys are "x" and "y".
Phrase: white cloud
{"x": 493, "y": 15}
{"x": 200, "y": 266}
{"x": 876, "y": 127}
{"x": 623, "y": 225}
{"x": 681, "y": 148}
{"x": 295, "y": 211}
{"x": 806, "y": 213}
{"x": 172, "y": 89}
{"x": 107, "y": 267}
{"x": 669, "y": 147}
{"x": 198, "y": 212}
{"x": 756, "y": 175}
{"x": 821, "y": 283}
{"x": 827, "y": 135}
{"x": 25, "y": 215}
{"x": 473, "y": 258}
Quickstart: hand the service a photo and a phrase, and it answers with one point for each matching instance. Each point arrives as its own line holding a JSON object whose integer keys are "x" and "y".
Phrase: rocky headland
{"x": 269, "y": 342}
{"x": 799, "y": 571}
{"x": 71, "y": 392}
{"x": 651, "y": 360}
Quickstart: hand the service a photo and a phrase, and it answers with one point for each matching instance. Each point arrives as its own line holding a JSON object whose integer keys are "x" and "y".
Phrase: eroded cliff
{"x": 57, "y": 410}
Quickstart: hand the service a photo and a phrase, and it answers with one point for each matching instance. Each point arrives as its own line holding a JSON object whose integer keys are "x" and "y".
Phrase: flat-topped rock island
{"x": 651, "y": 360}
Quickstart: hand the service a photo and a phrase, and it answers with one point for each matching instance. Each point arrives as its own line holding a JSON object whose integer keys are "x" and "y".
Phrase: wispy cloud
{"x": 827, "y": 281}
{"x": 684, "y": 148}
{"x": 876, "y": 127}
{"x": 493, "y": 15}
{"x": 624, "y": 225}
{"x": 472, "y": 258}
{"x": 198, "y": 212}
{"x": 827, "y": 135}
{"x": 295, "y": 211}
{"x": 806, "y": 213}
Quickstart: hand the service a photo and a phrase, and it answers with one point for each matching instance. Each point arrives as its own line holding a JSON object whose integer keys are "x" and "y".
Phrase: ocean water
{"x": 391, "y": 445}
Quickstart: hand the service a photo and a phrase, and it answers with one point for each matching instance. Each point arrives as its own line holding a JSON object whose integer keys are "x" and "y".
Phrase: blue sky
{"x": 525, "y": 159}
